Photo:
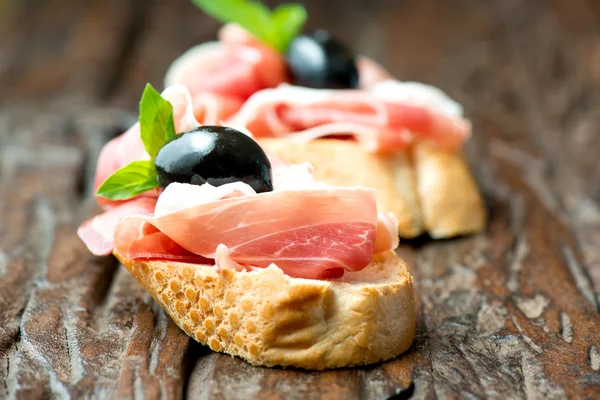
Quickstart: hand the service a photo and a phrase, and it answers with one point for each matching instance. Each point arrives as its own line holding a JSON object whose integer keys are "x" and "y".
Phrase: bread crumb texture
{"x": 269, "y": 318}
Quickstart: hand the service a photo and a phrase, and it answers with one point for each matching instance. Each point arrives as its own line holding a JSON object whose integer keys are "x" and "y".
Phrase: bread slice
{"x": 427, "y": 188}
{"x": 269, "y": 318}
{"x": 449, "y": 197}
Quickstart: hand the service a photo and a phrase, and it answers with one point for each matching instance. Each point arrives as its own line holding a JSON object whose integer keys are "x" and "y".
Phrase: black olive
{"x": 214, "y": 154}
{"x": 320, "y": 61}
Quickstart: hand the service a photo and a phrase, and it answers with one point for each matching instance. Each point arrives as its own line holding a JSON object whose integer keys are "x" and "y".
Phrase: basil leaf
{"x": 288, "y": 20}
{"x": 252, "y": 15}
{"x": 156, "y": 120}
{"x": 276, "y": 29}
{"x": 129, "y": 181}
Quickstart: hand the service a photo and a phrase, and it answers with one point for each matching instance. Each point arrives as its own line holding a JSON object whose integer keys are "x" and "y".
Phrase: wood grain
{"x": 511, "y": 313}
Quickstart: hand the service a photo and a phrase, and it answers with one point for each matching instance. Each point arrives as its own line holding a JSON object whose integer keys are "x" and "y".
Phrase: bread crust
{"x": 427, "y": 188}
{"x": 269, "y": 318}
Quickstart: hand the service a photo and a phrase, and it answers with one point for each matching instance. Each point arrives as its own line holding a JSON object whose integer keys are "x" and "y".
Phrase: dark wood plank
{"x": 71, "y": 325}
{"x": 509, "y": 313}
{"x": 530, "y": 302}
{"x": 63, "y": 49}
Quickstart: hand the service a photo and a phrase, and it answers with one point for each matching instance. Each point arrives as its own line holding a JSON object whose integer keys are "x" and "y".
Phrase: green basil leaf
{"x": 288, "y": 20}
{"x": 276, "y": 28}
{"x": 129, "y": 181}
{"x": 156, "y": 120}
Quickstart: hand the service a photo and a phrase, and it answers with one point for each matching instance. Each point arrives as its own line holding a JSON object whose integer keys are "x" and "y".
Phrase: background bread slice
{"x": 428, "y": 189}
{"x": 449, "y": 197}
{"x": 269, "y": 318}
{"x": 345, "y": 163}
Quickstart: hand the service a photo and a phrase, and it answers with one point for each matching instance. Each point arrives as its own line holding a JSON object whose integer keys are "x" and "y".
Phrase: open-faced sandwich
{"x": 307, "y": 98}
{"x": 249, "y": 254}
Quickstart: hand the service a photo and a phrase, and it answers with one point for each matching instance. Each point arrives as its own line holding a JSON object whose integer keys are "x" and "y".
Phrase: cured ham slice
{"x": 234, "y": 33}
{"x": 417, "y": 94}
{"x": 212, "y": 109}
{"x": 115, "y": 154}
{"x": 272, "y": 70}
{"x": 128, "y": 147}
{"x": 237, "y": 65}
{"x": 97, "y": 233}
{"x": 305, "y": 233}
{"x": 387, "y": 232}
{"x": 383, "y": 124}
{"x": 370, "y": 72}
{"x": 148, "y": 243}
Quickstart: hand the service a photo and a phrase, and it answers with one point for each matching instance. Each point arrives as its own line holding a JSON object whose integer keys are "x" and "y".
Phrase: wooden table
{"x": 511, "y": 313}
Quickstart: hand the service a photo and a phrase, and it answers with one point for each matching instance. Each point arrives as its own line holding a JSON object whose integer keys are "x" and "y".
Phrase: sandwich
{"x": 249, "y": 254}
{"x": 307, "y": 97}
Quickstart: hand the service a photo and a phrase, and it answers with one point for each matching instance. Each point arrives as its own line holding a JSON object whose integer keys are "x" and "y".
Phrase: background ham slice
{"x": 370, "y": 72}
{"x": 237, "y": 65}
{"x": 212, "y": 109}
{"x": 384, "y": 125}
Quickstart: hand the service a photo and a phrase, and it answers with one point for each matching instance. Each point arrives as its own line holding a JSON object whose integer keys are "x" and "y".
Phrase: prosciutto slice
{"x": 236, "y": 65}
{"x": 128, "y": 147}
{"x": 212, "y": 109}
{"x": 148, "y": 243}
{"x": 387, "y": 232}
{"x": 97, "y": 233}
{"x": 370, "y": 72}
{"x": 307, "y": 233}
{"x": 381, "y": 123}
{"x": 306, "y": 228}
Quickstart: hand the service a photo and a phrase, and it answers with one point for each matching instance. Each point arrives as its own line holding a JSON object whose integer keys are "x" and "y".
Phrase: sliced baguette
{"x": 269, "y": 318}
{"x": 428, "y": 189}
{"x": 449, "y": 197}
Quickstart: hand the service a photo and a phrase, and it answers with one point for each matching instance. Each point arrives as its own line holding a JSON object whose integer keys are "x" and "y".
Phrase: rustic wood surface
{"x": 511, "y": 313}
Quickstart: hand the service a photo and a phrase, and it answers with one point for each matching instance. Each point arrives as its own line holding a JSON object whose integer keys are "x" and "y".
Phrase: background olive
{"x": 214, "y": 154}
{"x": 320, "y": 61}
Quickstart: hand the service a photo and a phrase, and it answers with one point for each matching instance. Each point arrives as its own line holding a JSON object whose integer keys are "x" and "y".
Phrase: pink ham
{"x": 337, "y": 234}
{"x": 128, "y": 147}
{"x": 238, "y": 65}
{"x": 148, "y": 243}
{"x": 116, "y": 154}
{"x": 234, "y": 33}
{"x": 97, "y": 233}
{"x": 213, "y": 109}
{"x": 387, "y": 233}
{"x": 370, "y": 72}
{"x": 383, "y": 125}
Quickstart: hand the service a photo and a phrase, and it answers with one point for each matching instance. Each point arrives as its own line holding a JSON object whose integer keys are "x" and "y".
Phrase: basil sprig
{"x": 156, "y": 121}
{"x": 156, "y": 129}
{"x": 129, "y": 181}
{"x": 275, "y": 28}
